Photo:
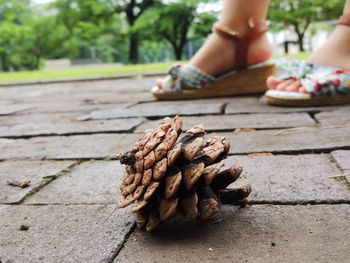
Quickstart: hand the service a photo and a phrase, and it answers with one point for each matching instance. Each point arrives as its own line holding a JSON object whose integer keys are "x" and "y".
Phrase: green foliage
{"x": 202, "y": 25}
{"x": 23, "y": 46}
{"x": 14, "y": 11}
{"x": 174, "y": 22}
{"x": 299, "y": 14}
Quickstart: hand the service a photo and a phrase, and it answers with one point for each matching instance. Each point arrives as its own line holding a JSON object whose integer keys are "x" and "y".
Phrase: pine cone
{"x": 166, "y": 176}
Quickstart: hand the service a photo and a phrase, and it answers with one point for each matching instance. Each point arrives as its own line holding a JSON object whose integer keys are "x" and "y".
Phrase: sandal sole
{"x": 320, "y": 101}
{"x": 249, "y": 81}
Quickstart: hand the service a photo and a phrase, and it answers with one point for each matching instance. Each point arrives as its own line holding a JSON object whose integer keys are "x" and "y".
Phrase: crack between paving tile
{"x": 237, "y": 128}
{"x": 221, "y": 113}
{"x": 242, "y": 203}
{"x": 344, "y": 172}
{"x": 18, "y": 137}
{"x": 154, "y": 118}
{"x": 133, "y": 129}
{"x": 334, "y": 161}
{"x": 223, "y": 108}
{"x": 275, "y": 112}
{"x": 47, "y": 181}
{"x": 313, "y": 117}
{"x": 297, "y": 152}
{"x": 300, "y": 202}
{"x": 121, "y": 246}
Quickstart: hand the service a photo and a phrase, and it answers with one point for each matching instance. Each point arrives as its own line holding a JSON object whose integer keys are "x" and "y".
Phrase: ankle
{"x": 341, "y": 38}
{"x": 239, "y": 27}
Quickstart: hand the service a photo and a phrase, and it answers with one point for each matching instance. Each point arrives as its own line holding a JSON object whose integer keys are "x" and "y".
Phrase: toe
{"x": 294, "y": 87}
{"x": 283, "y": 85}
{"x": 302, "y": 90}
{"x": 159, "y": 83}
{"x": 158, "y": 87}
{"x": 272, "y": 82}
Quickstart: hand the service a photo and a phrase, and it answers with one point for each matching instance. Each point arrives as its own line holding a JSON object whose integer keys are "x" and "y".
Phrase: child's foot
{"x": 217, "y": 55}
{"x": 335, "y": 52}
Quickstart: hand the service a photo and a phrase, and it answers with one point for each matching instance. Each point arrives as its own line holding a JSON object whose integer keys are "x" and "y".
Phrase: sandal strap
{"x": 327, "y": 81}
{"x": 318, "y": 80}
{"x": 256, "y": 28}
{"x": 344, "y": 20}
{"x": 184, "y": 77}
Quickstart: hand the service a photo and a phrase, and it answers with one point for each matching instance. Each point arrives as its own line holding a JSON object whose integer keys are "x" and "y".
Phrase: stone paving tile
{"x": 38, "y": 172}
{"x": 343, "y": 160}
{"x": 230, "y": 122}
{"x": 257, "y": 105}
{"x": 307, "y": 139}
{"x": 68, "y": 127}
{"x": 135, "y": 89}
{"x": 130, "y": 85}
{"x": 260, "y": 233}
{"x": 39, "y": 118}
{"x": 64, "y": 107}
{"x": 161, "y": 109}
{"x": 62, "y": 233}
{"x": 107, "y": 145}
{"x": 67, "y": 147}
{"x": 291, "y": 179}
{"x": 4, "y": 102}
{"x": 97, "y": 97}
{"x": 12, "y": 109}
{"x": 95, "y": 182}
{"x": 338, "y": 117}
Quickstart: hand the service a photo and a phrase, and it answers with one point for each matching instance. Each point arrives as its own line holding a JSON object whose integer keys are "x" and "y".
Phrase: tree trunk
{"x": 134, "y": 48}
{"x": 178, "y": 52}
{"x": 300, "y": 31}
{"x": 37, "y": 62}
{"x": 301, "y": 42}
{"x": 4, "y": 62}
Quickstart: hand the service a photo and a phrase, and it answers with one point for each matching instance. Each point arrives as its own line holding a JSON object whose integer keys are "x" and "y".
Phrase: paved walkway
{"x": 64, "y": 137}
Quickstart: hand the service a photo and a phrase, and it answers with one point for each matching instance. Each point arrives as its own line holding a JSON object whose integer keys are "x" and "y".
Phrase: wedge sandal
{"x": 189, "y": 82}
{"x": 324, "y": 85}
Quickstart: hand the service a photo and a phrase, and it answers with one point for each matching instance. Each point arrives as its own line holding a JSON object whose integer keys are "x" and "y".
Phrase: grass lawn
{"x": 81, "y": 72}
{"x": 37, "y": 75}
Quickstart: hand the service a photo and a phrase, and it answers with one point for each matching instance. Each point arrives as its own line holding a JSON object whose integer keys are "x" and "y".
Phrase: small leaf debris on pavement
{"x": 260, "y": 154}
{"x": 244, "y": 130}
{"x": 22, "y": 184}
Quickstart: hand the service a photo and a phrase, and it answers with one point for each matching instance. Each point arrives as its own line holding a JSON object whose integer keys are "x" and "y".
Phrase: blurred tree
{"x": 202, "y": 25}
{"x": 299, "y": 14}
{"x": 94, "y": 25}
{"x": 45, "y": 39}
{"x": 14, "y": 11}
{"x": 9, "y": 36}
{"x": 110, "y": 29}
{"x": 13, "y": 14}
{"x": 173, "y": 22}
{"x": 73, "y": 13}
{"x": 133, "y": 10}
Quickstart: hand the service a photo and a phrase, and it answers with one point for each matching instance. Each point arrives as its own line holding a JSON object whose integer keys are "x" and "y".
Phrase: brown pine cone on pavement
{"x": 166, "y": 176}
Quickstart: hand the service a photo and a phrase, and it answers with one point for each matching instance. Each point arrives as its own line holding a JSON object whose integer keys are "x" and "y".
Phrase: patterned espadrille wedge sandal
{"x": 324, "y": 85}
{"x": 189, "y": 82}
